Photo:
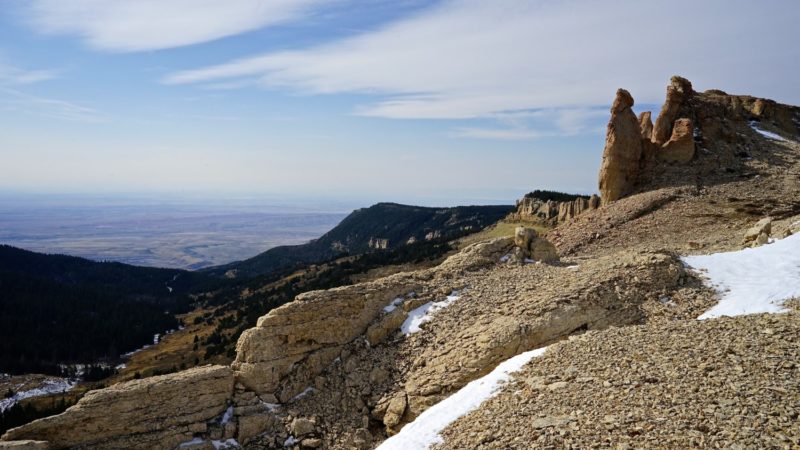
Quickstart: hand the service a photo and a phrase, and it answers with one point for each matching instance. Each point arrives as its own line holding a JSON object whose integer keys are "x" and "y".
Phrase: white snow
{"x": 393, "y": 305}
{"x": 424, "y": 313}
{"x": 227, "y": 416}
{"x": 305, "y": 392}
{"x": 753, "y": 280}
{"x": 290, "y": 441}
{"x": 424, "y": 431}
{"x": 49, "y": 386}
{"x": 129, "y": 354}
{"x": 194, "y": 441}
{"x": 505, "y": 257}
{"x": 230, "y": 443}
{"x": 767, "y": 134}
{"x": 271, "y": 407}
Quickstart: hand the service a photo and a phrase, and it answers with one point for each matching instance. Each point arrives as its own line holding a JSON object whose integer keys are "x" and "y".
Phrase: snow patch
{"x": 230, "y": 443}
{"x": 48, "y": 387}
{"x": 767, "y": 134}
{"x": 271, "y": 407}
{"x": 753, "y": 280}
{"x": 393, "y": 305}
{"x": 290, "y": 441}
{"x": 195, "y": 441}
{"x": 424, "y": 313}
{"x": 505, "y": 257}
{"x": 305, "y": 392}
{"x": 424, "y": 431}
{"x": 227, "y": 416}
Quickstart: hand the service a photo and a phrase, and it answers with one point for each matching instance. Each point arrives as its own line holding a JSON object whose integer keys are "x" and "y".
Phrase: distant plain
{"x": 177, "y": 233}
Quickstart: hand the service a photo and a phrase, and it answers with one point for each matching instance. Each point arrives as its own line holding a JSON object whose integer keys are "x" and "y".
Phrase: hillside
{"x": 57, "y": 309}
{"x": 586, "y": 336}
{"x": 379, "y": 227}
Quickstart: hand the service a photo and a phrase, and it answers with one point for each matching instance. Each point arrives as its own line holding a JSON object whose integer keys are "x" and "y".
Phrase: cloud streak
{"x": 21, "y": 102}
{"x": 10, "y": 75}
{"x": 140, "y": 25}
{"x": 475, "y": 59}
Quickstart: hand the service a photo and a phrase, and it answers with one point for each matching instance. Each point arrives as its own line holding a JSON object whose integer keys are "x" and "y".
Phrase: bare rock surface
{"x": 156, "y": 412}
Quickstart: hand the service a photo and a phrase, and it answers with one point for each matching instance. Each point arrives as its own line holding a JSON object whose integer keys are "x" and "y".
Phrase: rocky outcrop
{"x": 280, "y": 357}
{"x": 623, "y": 150}
{"x": 680, "y": 146}
{"x": 295, "y": 342}
{"x": 549, "y": 212}
{"x": 152, "y": 413}
{"x": 646, "y": 125}
{"x": 378, "y": 243}
{"x": 678, "y": 92}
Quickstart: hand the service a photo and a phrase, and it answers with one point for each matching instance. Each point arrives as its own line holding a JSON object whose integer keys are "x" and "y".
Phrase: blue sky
{"x": 413, "y": 101}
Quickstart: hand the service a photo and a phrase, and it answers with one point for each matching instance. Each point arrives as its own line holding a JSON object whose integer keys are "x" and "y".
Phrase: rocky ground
{"x": 722, "y": 383}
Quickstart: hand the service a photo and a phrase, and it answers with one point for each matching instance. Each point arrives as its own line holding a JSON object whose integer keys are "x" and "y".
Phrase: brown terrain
{"x": 627, "y": 366}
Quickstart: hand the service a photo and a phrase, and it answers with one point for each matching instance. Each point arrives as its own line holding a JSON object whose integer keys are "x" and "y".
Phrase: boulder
{"x": 680, "y": 147}
{"x": 543, "y": 250}
{"x": 153, "y": 413}
{"x": 302, "y": 427}
{"x": 623, "y": 150}
{"x": 762, "y": 227}
{"x": 523, "y": 237}
{"x": 253, "y": 425}
{"x": 362, "y": 439}
{"x": 395, "y": 410}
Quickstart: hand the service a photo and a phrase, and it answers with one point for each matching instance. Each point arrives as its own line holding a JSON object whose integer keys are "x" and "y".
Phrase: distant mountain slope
{"x": 381, "y": 226}
{"x": 63, "y": 309}
{"x": 109, "y": 276}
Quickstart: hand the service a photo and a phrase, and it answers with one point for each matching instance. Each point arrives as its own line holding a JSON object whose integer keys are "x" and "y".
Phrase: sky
{"x": 399, "y": 100}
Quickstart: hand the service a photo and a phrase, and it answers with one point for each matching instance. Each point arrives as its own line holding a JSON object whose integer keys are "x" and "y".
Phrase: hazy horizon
{"x": 391, "y": 100}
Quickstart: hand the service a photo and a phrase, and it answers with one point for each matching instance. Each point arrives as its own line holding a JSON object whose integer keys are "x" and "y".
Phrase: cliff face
{"x": 698, "y": 138}
{"x": 552, "y": 212}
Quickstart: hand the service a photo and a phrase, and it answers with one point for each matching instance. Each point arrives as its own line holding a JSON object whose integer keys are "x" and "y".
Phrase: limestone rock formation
{"x": 680, "y": 147}
{"x": 302, "y": 337}
{"x": 623, "y": 150}
{"x": 678, "y": 91}
{"x": 646, "y": 125}
{"x": 549, "y": 212}
{"x": 143, "y": 414}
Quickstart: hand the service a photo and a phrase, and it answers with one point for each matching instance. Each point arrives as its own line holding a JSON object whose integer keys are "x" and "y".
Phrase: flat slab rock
{"x": 153, "y": 413}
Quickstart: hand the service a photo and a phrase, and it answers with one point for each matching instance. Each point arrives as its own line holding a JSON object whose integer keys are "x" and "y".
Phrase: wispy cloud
{"x": 20, "y": 102}
{"x": 475, "y": 59}
{"x": 128, "y": 26}
{"x": 11, "y": 75}
{"x": 531, "y": 125}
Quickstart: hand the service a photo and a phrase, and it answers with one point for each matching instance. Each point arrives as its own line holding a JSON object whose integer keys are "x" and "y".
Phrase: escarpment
{"x": 348, "y": 367}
